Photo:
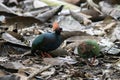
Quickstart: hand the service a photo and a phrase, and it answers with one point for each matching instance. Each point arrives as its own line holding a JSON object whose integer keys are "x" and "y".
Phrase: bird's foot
{"x": 92, "y": 61}
{"x": 88, "y": 64}
{"x": 46, "y": 55}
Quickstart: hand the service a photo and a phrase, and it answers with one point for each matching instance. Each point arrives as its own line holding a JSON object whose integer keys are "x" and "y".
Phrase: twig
{"x": 26, "y": 53}
{"x": 37, "y": 72}
{"x": 110, "y": 48}
{"x": 94, "y": 6}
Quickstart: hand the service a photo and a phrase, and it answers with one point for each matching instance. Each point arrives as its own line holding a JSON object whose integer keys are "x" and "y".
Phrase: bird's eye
{"x": 60, "y": 29}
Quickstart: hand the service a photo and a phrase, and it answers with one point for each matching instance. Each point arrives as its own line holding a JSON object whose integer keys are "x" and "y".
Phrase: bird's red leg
{"x": 93, "y": 60}
{"x": 48, "y": 55}
{"x": 43, "y": 55}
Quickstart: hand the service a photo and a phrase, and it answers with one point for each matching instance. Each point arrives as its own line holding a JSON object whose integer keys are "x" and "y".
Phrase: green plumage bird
{"x": 88, "y": 49}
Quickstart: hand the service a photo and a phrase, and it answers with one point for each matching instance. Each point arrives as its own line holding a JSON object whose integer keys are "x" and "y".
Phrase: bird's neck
{"x": 57, "y": 33}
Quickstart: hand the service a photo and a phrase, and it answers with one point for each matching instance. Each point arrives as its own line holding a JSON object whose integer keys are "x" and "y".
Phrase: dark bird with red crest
{"x": 47, "y": 41}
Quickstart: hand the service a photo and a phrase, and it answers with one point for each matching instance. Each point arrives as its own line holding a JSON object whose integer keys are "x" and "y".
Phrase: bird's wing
{"x": 37, "y": 43}
{"x": 48, "y": 39}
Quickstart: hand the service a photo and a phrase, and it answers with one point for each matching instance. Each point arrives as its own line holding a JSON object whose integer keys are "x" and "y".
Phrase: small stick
{"x": 26, "y": 53}
{"x": 37, "y": 72}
